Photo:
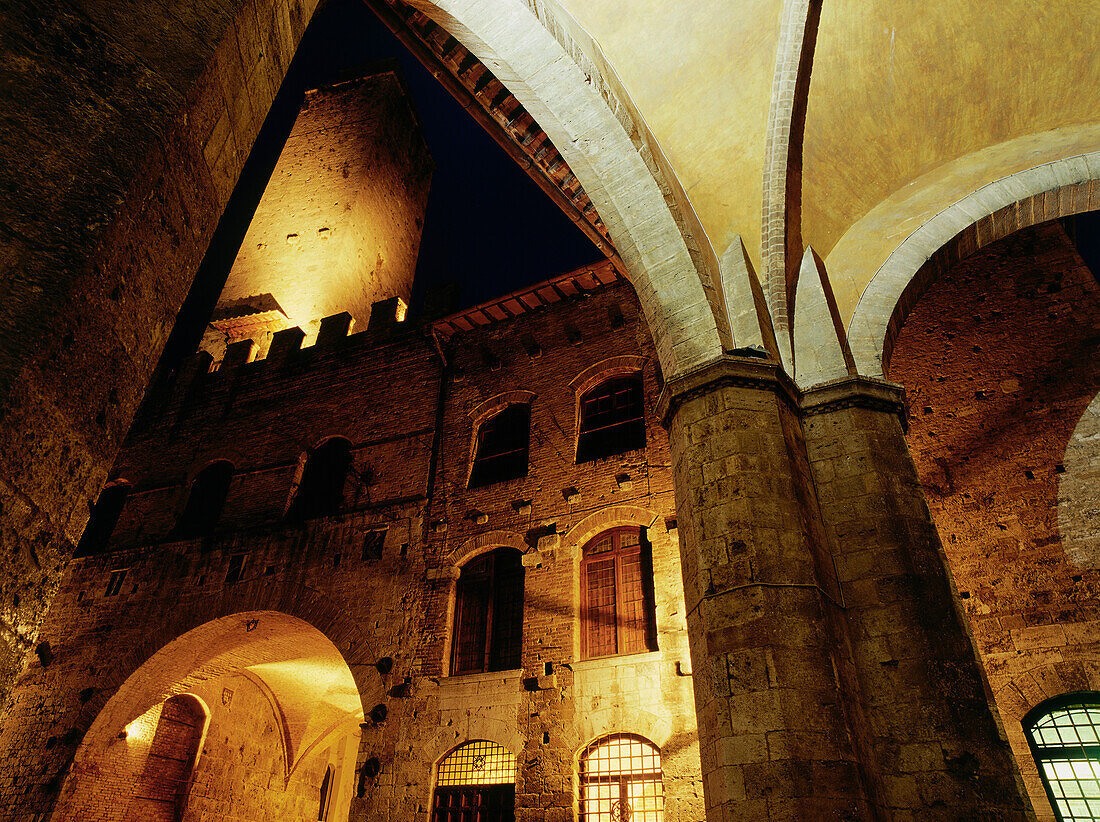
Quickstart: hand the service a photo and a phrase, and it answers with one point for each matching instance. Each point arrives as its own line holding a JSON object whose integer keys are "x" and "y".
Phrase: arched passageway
{"x": 254, "y": 716}
{"x": 999, "y": 361}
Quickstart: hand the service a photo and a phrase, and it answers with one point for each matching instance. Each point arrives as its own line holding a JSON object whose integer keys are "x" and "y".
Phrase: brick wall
{"x": 999, "y": 360}
{"x": 411, "y": 462}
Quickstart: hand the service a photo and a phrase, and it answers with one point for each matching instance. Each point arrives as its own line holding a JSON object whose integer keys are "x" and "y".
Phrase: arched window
{"x": 621, "y": 780}
{"x": 321, "y": 489}
{"x": 617, "y": 608}
{"x": 612, "y": 418}
{"x": 1064, "y": 734}
{"x": 326, "y": 795}
{"x": 488, "y": 626}
{"x": 104, "y": 518}
{"x": 205, "y": 500}
{"x": 476, "y": 782}
{"x": 161, "y": 791}
{"x": 503, "y": 442}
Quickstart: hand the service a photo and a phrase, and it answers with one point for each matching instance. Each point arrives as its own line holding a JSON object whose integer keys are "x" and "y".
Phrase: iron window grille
{"x": 476, "y": 782}
{"x": 621, "y": 780}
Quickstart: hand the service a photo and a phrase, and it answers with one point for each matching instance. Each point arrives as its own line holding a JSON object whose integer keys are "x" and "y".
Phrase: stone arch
{"x": 611, "y": 517}
{"x": 1059, "y": 188}
{"x": 302, "y": 676}
{"x": 524, "y": 54}
{"x": 597, "y": 724}
{"x": 1079, "y": 491}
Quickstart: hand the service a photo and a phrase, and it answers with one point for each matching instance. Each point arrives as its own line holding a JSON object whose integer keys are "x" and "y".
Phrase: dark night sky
{"x": 488, "y": 226}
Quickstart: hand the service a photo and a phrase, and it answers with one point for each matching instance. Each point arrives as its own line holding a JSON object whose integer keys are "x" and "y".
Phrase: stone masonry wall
{"x": 999, "y": 361}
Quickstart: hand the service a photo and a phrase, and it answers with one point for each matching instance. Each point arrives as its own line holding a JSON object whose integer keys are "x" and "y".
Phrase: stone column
{"x": 780, "y": 731}
{"x": 936, "y": 744}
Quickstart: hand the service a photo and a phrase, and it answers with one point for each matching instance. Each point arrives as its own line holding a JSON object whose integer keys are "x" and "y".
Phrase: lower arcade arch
{"x": 254, "y": 715}
{"x": 998, "y": 359}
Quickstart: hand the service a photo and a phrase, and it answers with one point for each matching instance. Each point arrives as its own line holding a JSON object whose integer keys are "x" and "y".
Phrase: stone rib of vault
{"x": 745, "y": 305}
{"x": 820, "y": 345}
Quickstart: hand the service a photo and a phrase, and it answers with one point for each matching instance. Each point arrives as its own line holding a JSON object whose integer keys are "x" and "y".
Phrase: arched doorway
{"x": 254, "y": 715}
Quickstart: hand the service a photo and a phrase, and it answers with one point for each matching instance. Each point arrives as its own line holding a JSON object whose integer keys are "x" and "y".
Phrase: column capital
{"x": 721, "y": 372}
{"x": 855, "y": 392}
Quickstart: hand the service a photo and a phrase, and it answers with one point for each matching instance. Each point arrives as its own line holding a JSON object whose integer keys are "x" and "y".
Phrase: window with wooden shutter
{"x": 488, "y": 622}
{"x": 618, "y": 602}
{"x": 612, "y": 419}
{"x": 503, "y": 443}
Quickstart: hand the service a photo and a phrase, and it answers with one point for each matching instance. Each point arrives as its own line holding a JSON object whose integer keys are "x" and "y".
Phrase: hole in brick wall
{"x": 545, "y": 738}
{"x": 86, "y": 694}
{"x": 964, "y": 595}
{"x": 269, "y": 571}
{"x": 927, "y": 409}
{"x": 44, "y": 653}
{"x": 1076, "y": 577}
{"x": 548, "y": 668}
{"x": 1059, "y": 469}
{"x": 378, "y": 714}
{"x": 404, "y": 549}
{"x": 79, "y": 597}
{"x": 384, "y": 665}
{"x": 336, "y": 561}
{"x": 1029, "y": 474}
{"x": 202, "y": 579}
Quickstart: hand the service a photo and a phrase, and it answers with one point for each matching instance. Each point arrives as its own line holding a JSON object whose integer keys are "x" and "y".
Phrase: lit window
{"x": 621, "y": 780}
{"x": 102, "y": 522}
{"x": 488, "y": 626}
{"x": 205, "y": 501}
{"x": 321, "y": 489}
{"x": 617, "y": 585}
{"x": 476, "y": 782}
{"x": 612, "y": 419}
{"x": 502, "y": 446}
{"x": 1064, "y": 734}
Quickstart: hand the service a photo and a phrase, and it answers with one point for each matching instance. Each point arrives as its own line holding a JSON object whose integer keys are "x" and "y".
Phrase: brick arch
{"x": 1079, "y": 490}
{"x": 612, "y": 517}
{"x": 480, "y": 412}
{"x": 483, "y": 543}
{"x": 604, "y": 369}
{"x": 1059, "y": 188}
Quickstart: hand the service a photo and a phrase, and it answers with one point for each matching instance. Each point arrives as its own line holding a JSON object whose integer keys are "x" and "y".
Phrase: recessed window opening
{"x": 326, "y": 795}
{"x": 114, "y": 584}
{"x": 612, "y": 419}
{"x": 618, "y": 613}
{"x": 1064, "y": 735}
{"x": 205, "y": 500}
{"x": 488, "y": 619}
{"x": 373, "y": 543}
{"x": 503, "y": 443}
{"x": 236, "y": 568}
{"x": 321, "y": 489}
{"x": 621, "y": 780}
{"x": 102, "y": 522}
{"x": 476, "y": 782}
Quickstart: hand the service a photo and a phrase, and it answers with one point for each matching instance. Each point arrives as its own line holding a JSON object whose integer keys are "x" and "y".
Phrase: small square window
{"x": 373, "y": 543}
{"x": 114, "y": 584}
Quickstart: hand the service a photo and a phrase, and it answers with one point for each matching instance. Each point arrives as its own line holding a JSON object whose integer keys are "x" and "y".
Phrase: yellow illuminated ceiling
{"x": 901, "y": 91}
